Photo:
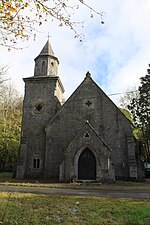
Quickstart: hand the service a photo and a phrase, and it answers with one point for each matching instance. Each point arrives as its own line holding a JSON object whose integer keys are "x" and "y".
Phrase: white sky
{"x": 117, "y": 53}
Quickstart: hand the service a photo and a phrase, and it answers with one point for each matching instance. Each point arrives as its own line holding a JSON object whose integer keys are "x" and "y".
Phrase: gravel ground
{"x": 110, "y": 193}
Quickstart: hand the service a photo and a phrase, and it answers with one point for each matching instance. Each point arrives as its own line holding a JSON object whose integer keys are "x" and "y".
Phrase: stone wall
{"x": 40, "y": 105}
{"x": 90, "y": 103}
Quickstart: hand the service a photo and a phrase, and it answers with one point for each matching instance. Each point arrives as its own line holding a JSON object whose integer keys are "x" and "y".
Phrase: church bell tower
{"x": 46, "y": 63}
{"x": 43, "y": 99}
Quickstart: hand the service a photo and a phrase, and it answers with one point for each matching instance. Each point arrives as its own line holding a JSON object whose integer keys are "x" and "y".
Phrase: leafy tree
{"x": 19, "y": 17}
{"x": 140, "y": 109}
{"x": 127, "y": 113}
{"x": 124, "y": 102}
{"x": 10, "y": 127}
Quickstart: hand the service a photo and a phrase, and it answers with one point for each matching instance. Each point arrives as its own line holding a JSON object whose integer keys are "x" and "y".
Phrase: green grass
{"x": 27, "y": 209}
{"x": 5, "y": 175}
{"x": 6, "y": 179}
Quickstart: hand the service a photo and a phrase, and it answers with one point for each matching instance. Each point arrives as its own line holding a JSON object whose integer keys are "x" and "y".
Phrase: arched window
{"x": 43, "y": 67}
{"x": 36, "y": 163}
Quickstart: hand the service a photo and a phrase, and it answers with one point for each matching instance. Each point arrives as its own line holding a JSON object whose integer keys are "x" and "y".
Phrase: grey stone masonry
{"x": 85, "y": 139}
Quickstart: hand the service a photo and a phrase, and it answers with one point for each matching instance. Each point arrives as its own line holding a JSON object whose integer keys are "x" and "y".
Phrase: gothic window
{"x": 43, "y": 67}
{"x": 52, "y": 63}
{"x": 36, "y": 163}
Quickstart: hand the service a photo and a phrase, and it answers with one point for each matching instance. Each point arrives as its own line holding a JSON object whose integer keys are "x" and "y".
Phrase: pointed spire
{"x": 46, "y": 63}
{"x": 47, "y": 50}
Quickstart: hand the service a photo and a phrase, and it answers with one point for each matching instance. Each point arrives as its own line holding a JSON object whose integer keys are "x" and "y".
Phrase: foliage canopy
{"x": 18, "y": 18}
{"x": 140, "y": 109}
{"x": 10, "y": 124}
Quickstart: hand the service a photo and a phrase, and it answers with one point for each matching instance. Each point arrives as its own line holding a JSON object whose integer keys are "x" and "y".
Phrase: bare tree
{"x": 3, "y": 74}
{"x": 3, "y": 79}
{"x": 127, "y": 96}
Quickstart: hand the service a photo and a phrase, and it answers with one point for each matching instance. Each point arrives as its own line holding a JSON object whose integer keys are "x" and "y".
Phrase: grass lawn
{"x": 6, "y": 179}
{"x": 24, "y": 209}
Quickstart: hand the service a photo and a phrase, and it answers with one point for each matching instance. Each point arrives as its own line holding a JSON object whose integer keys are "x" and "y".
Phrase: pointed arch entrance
{"x": 87, "y": 165}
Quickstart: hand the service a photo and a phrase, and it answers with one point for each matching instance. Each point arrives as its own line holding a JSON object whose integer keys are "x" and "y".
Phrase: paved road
{"x": 79, "y": 192}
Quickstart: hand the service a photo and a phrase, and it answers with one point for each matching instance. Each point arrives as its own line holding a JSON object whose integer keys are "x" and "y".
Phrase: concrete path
{"x": 79, "y": 192}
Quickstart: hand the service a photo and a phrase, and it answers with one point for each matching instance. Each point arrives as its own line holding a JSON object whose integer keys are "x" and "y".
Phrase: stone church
{"x": 87, "y": 138}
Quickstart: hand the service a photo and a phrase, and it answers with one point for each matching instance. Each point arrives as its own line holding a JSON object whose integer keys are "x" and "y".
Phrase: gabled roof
{"x": 92, "y": 128}
{"x": 87, "y": 79}
{"x": 88, "y": 127}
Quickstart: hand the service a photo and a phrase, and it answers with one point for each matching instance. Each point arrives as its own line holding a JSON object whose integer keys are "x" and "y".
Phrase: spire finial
{"x": 48, "y": 35}
{"x": 88, "y": 74}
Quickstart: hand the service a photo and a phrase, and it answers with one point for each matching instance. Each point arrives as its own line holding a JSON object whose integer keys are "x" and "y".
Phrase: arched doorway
{"x": 87, "y": 165}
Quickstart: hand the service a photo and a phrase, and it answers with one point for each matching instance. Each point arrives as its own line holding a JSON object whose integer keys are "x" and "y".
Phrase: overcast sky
{"x": 117, "y": 53}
